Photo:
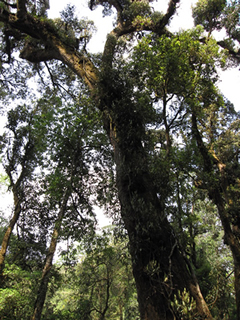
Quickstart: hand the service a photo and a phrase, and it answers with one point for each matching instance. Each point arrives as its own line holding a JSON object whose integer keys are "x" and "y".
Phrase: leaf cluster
{"x": 101, "y": 281}
{"x": 209, "y": 13}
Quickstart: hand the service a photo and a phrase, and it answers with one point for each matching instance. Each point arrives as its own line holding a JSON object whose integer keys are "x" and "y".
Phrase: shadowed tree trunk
{"x": 159, "y": 267}
{"x": 158, "y": 264}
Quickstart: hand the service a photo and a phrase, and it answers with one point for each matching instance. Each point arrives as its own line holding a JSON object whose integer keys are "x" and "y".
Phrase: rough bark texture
{"x": 233, "y": 242}
{"x": 158, "y": 265}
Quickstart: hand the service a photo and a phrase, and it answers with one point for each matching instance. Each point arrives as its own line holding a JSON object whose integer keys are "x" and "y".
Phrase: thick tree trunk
{"x": 8, "y": 233}
{"x": 158, "y": 265}
{"x": 159, "y": 268}
{"x": 42, "y": 291}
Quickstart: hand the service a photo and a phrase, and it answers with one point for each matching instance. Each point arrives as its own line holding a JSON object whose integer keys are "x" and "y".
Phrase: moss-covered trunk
{"x": 159, "y": 267}
{"x": 232, "y": 240}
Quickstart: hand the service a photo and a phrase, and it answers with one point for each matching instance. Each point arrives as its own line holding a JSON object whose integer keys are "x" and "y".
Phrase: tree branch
{"x": 58, "y": 48}
{"x": 9, "y": 5}
{"x": 172, "y": 6}
{"x": 234, "y": 54}
{"x": 115, "y": 3}
{"x": 55, "y": 46}
{"x": 38, "y": 55}
{"x": 21, "y": 9}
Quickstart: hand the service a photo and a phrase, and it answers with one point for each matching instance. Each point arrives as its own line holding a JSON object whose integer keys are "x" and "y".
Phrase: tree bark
{"x": 217, "y": 190}
{"x": 8, "y": 233}
{"x": 233, "y": 242}
{"x": 46, "y": 273}
{"x": 16, "y": 186}
{"x": 159, "y": 267}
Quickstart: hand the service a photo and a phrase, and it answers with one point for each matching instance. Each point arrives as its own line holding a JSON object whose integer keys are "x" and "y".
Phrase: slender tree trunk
{"x": 42, "y": 291}
{"x": 233, "y": 242}
{"x": 218, "y": 194}
{"x": 17, "y": 197}
{"x": 8, "y": 233}
{"x": 106, "y": 306}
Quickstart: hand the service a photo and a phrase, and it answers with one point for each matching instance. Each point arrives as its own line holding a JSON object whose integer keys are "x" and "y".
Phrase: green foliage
{"x": 17, "y": 297}
{"x": 214, "y": 264}
{"x": 100, "y": 284}
{"x": 48, "y": 147}
{"x": 208, "y": 13}
{"x": 231, "y": 20}
{"x": 221, "y": 15}
{"x": 181, "y": 63}
{"x": 54, "y": 145}
{"x": 76, "y": 32}
{"x": 137, "y": 12}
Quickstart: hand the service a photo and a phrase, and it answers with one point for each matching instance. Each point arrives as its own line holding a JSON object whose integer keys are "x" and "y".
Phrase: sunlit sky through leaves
{"x": 230, "y": 79}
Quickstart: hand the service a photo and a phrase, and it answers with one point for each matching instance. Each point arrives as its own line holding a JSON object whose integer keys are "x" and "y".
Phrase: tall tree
{"x": 219, "y": 157}
{"x": 67, "y": 186}
{"x": 21, "y": 148}
{"x": 184, "y": 77}
{"x": 218, "y": 140}
{"x": 159, "y": 266}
